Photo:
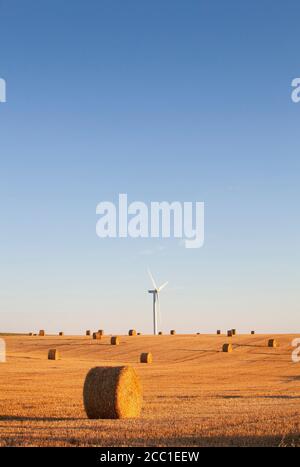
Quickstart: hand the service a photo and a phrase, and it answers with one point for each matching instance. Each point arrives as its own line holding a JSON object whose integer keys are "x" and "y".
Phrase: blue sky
{"x": 163, "y": 100}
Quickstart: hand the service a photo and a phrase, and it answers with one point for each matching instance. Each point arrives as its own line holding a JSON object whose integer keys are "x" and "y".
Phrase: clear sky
{"x": 163, "y": 100}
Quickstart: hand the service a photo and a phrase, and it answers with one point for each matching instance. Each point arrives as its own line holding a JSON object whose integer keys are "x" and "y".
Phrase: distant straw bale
{"x": 97, "y": 336}
{"x": 115, "y": 340}
{"x": 272, "y": 343}
{"x": 53, "y": 354}
{"x": 227, "y": 348}
{"x": 146, "y": 357}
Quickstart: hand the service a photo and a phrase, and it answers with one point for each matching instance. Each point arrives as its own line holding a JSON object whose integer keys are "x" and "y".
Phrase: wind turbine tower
{"x": 156, "y": 304}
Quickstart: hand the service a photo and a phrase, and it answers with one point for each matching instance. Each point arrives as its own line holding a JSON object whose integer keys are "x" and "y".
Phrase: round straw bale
{"x": 160, "y": 333}
{"x": 132, "y": 332}
{"x": 227, "y": 348}
{"x": 61, "y": 333}
{"x": 233, "y": 332}
{"x": 101, "y": 332}
{"x": 96, "y": 336}
{"x": 115, "y": 340}
{"x": 139, "y": 333}
{"x": 30, "y": 334}
{"x": 172, "y": 332}
{"x": 53, "y": 354}
{"x": 229, "y": 333}
{"x": 252, "y": 332}
{"x": 112, "y": 392}
{"x": 146, "y": 357}
{"x": 42, "y": 332}
{"x": 88, "y": 333}
{"x": 272, "y": 343}
{"x": 218, "y": 331}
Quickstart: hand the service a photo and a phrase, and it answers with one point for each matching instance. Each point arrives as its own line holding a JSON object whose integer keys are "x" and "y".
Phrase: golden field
{"x": 194, "y": 394}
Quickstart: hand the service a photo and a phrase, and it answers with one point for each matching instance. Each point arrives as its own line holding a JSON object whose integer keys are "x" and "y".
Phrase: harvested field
{"x": 194, "y": 394}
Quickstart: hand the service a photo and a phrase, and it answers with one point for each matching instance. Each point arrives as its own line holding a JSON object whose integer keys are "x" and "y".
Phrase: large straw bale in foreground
{"x": 112, "y": 392}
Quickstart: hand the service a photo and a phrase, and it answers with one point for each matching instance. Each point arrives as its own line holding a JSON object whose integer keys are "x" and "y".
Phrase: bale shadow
{"x": 17, "y": 418}
{"x": 282, "y": 396}
{"x": 269, "y": 354}
{"x": 199, "y": 350}
{"x": 250, "y": 345}
{"x": 291, "y": 379}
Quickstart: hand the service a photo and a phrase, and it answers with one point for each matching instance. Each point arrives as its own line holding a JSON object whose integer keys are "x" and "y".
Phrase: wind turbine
{"x": 155, "y": 292}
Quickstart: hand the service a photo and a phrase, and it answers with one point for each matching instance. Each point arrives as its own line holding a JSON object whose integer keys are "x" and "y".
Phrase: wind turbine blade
{"x": 162, "y": 286}
{"x": 152, "y": 279}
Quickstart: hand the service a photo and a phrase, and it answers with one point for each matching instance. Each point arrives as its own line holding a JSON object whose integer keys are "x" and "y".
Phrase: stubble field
{"x": 194, "y": 394}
